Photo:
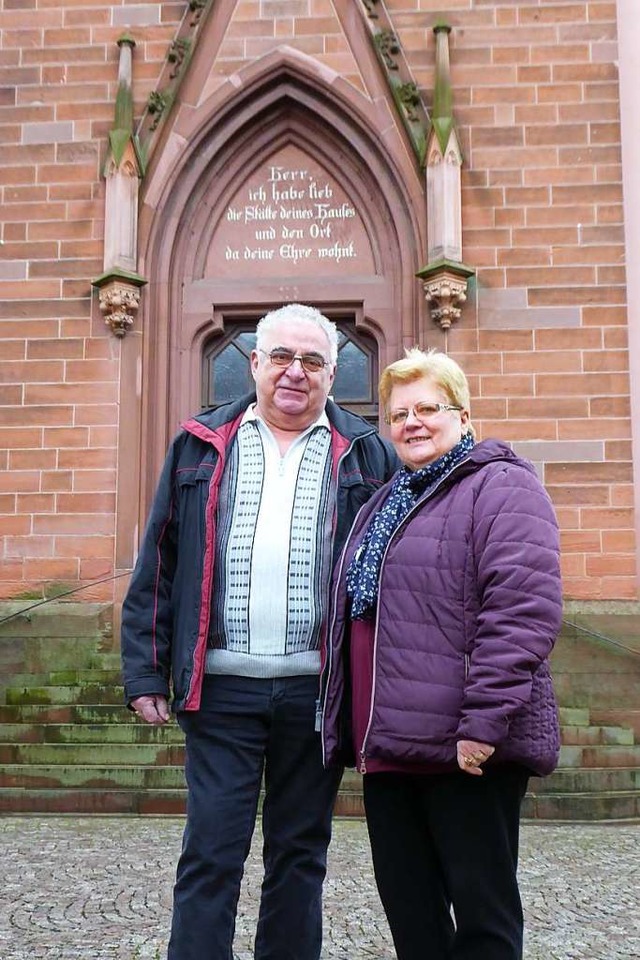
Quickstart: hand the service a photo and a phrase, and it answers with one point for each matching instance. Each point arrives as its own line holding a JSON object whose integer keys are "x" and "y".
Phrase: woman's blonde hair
{"x": 417, "y": 364}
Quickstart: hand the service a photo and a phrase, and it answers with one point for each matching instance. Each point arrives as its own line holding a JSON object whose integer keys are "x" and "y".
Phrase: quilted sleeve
{"x": 517, "y": 556}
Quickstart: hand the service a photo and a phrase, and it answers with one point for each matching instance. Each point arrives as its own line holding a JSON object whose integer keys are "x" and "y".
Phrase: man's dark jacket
{"x": 166, "y": 613}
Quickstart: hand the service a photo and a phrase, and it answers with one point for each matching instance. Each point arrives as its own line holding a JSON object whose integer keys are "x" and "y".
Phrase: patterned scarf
{"x": 408, "y": 486}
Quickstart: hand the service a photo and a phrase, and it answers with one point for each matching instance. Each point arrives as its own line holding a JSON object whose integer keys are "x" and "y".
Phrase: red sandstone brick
{"x": 515, "y": 430}
{"x": 519, "y": 256}
{"x": 601, "y": 519}
{"x": 31, "y": 371}
{"x": 612, "y": 213}
{"x": 623, "y": 496}
{"x": 618, "y": 541}
{"x": 611, "y": 275}
{"x": 92, "y": 502}
{"x": 36, "y": 503}
{"x": 89, "y": 481}
{"x": 87, "y": 547}
{"x": 76, "y": 524}
{"x": 11, "y": 570}
{"x": 95, "y": 569}
{"x": 531, "y": 362}
{"x": 559, "y": 296}
{"x": 103, "y": 436}
{"x": 105, "y": 413}
{"x": 82, "y": 393}
{"x": 593, "y": 428}
{"x": 37, "y": 459}
{"x": 15, "y": 525}
{"x": 14, "y": 438}
{"x": 86, "y": 459}
{"x": 55, "y": 480}
{"x": 610, "y": 360}
{"x": 580, "y": 541}
{"x": 19, "y": 480}
{"x": 619, "y": 588}
{"x": 558, "y": 93}
{"x": 10, "y": 395}
{"x": 66, "y": 437}
{"x": 580, "y": 495}
{"x": 61, "y": 349}
{"x": 23, "y": 415}
{"x": 618, "y": 450}
{"x": 616, "y": 337}
{"x": 32, "y": 546}
{"x": 572, "y": 565}
{"x": 548, "y": 216}
{"x": 51, "y": 569}
{"x": 66, "y": 268}
{"x": 14, "y": 349}
{"x": 542, "y": 407}
{"x": 611, "y": 566}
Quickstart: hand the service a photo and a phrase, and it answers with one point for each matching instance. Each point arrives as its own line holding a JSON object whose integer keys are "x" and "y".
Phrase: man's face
{"x": 290, "y": 397}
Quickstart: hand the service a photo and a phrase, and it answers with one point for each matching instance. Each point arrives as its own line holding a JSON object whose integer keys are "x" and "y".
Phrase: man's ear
{"x": 254, "y": 361}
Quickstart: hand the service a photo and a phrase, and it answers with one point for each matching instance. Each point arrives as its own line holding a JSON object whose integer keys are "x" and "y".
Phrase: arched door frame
{"x": 285, "y": 98}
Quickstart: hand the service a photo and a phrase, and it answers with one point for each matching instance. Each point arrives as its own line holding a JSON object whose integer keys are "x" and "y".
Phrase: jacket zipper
{"x": 321, "y": 703}
{"x": 417, "y": 506}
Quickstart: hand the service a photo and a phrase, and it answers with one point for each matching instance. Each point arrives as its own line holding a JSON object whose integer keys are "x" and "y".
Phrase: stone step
{"x": 600, "y": 755}
{"x": 573, "y": 807}
{"x": 34, "y": 713}
{"x": 576, "y": 780}
{"x": 161, "y": 802}
{"x": 574, "y": 716}
{"x": 616, "y": 715}
{"x": 131, "y": 731}
{"x": 592, "y": 734}
{"x": 91, "y": 776}
{"x": 55, "y": 619}
{"x": 58, "y": 695}
{"x": 69, "y": 677}
{"x": 105, "y": 754}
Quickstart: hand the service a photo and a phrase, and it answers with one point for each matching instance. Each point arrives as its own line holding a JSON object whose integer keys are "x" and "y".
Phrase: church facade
{"x": 459, "y": 176}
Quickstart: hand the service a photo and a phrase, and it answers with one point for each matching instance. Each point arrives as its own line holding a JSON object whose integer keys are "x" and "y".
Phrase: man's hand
{"x": 472, "y": 754}
{"x": 153, "y": 709}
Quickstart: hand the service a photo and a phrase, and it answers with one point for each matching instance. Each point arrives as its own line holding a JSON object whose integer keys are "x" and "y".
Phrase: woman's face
{"x": 421, "y": 439}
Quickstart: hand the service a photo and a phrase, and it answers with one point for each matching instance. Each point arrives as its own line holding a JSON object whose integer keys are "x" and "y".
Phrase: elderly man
{"x": 227, "y": 608}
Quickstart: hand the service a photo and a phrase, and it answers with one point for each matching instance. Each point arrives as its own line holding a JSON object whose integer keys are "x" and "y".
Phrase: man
{"x": 228, "y": 605}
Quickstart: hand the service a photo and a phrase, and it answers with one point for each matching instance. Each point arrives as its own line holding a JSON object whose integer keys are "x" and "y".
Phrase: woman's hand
{"x": 471, "y": 755}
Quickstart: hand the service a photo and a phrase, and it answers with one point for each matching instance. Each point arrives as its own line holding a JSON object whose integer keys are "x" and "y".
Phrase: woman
{"x": 448, "y": 602}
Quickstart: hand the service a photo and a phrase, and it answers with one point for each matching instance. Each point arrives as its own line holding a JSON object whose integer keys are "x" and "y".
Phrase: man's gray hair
{"x": 293, "y": 312}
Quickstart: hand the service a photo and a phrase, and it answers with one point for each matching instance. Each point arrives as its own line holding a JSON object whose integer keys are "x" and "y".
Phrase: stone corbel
{"x": 445, "y": 290}
{"x": 119, "y": 297}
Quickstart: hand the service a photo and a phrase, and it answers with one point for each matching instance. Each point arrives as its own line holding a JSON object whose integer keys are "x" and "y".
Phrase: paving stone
{"x": 88, "y": 888}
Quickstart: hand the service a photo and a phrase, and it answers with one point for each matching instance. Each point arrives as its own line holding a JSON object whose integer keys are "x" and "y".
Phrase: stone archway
{"x": 285, "y": 189}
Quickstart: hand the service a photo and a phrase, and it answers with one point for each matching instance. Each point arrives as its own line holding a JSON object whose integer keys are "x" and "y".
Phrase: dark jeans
{"x": 442, "y": 841}
{"x": 244, "y": 728}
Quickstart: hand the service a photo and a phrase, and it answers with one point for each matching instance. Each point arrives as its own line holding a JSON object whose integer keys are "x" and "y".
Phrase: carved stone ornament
{"x": 119, "y": 302}
{"x": 445, "y": 290}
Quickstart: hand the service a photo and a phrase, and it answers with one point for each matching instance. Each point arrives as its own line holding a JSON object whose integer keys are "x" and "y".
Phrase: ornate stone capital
{"x": 445, "y": 290}
{"x": 119, "y": 299}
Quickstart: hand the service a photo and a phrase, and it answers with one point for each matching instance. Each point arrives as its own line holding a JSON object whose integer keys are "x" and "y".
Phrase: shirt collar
{"x": 251, "y": 415}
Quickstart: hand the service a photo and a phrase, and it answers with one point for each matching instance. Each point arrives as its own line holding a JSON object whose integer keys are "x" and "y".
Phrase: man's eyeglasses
{"x": 425, "y": 410}
{"x": 312, "y": 362}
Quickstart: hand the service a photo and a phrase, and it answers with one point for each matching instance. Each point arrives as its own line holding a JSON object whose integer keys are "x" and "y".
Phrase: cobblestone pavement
{"x": 100, "y": 889}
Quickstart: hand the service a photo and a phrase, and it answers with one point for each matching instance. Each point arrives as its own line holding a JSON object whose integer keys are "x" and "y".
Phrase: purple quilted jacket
{"x": 469, "y": 607}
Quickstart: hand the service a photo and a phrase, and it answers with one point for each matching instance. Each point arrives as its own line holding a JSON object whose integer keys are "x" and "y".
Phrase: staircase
{"x": 68, "y": 745}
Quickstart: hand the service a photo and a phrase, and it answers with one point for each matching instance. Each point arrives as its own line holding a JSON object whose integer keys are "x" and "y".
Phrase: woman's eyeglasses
{"x": 311, "y": 362}
{"x": 425, "y": 410}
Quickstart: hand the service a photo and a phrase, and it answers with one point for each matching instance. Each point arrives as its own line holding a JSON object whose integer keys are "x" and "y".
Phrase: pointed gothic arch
{"x": 285, "y": 104}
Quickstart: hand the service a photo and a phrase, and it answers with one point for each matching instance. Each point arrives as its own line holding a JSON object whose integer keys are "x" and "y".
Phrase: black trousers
{"x": 448, "y": 843}
{"x": 246, "y": 727}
